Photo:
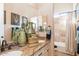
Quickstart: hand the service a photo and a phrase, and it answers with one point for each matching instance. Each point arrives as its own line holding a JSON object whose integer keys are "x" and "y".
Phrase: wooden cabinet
{"x": 44, "y": 51}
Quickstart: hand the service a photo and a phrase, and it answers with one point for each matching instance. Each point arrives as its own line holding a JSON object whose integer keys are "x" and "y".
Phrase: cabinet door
{"x": 45, "y": 51}
{"x": 38, "y": 53}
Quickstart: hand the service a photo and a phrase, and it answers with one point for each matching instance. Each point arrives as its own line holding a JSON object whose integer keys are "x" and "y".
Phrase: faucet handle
{"x": 4, "y": 43}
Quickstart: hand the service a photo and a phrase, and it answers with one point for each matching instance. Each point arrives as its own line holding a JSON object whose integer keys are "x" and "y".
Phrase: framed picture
{"x": 15, "y": 19}
{"x": 4, "y": 17}
{"x": 24, "y": 20}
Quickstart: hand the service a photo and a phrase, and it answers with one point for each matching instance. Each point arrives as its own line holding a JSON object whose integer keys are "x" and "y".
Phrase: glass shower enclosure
{"x": 64, "y": 34}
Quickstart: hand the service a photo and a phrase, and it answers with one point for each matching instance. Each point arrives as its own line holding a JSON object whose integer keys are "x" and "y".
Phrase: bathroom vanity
{"x": 41, "y": 49}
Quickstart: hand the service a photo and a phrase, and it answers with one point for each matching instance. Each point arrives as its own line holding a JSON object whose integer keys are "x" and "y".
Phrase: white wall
{"x": 1, "y": 22}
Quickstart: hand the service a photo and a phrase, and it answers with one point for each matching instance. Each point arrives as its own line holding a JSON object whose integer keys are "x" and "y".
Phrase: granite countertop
{"x": 26, "y": 50}
{"x": 29, "y": 51}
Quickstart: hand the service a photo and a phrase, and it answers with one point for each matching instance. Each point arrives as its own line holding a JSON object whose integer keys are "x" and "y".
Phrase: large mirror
{"x": 39, "y": 25}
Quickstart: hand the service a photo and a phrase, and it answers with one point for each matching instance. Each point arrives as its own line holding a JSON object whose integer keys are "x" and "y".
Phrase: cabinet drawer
{"x": 38, "y": 53}
{"x": 43, "y": 51}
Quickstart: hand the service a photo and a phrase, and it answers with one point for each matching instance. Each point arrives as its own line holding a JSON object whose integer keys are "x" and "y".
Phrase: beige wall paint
{"x": 21, "y": 9}
{"x": 46, "y": 10}
{"x": 61, "y": 7}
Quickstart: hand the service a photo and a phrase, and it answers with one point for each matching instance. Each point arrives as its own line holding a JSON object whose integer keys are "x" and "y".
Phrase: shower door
{"x": 62, "y": 33}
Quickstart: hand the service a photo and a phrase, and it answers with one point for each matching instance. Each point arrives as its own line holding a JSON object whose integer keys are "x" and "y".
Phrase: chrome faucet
{"x": 3, "y": 46}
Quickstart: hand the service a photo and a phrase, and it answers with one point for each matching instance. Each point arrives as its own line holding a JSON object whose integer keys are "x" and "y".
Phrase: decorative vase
{"x": 21, "y": 38}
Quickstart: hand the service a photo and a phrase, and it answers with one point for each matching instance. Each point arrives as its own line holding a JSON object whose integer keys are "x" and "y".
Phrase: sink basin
{"x": 41, "y": 41}
{"x": 12, "y": 53}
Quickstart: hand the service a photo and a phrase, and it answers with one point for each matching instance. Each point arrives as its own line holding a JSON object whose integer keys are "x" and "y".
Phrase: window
{"x": 37, "y": 20}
